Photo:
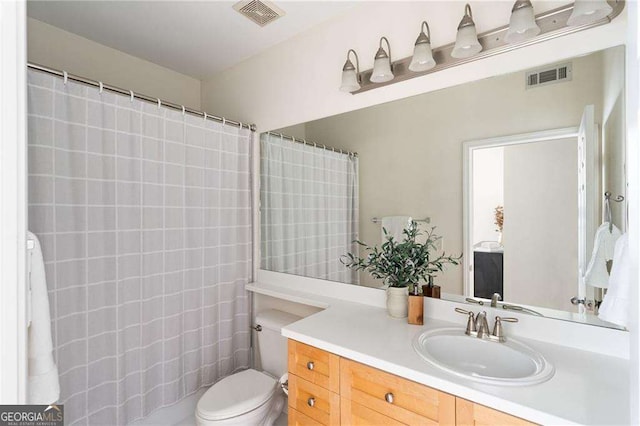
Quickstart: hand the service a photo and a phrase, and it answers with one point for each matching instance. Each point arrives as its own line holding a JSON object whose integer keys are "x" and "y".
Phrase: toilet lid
{"x": 236, "y": 394}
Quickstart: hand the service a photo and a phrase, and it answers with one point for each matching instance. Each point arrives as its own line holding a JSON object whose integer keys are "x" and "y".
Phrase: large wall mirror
{"x": 541, "y": 146}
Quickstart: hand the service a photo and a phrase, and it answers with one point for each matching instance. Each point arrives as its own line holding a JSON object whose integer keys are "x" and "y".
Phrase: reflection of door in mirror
{"x": 529, "y": 252}
{"x": 548, "y": 185}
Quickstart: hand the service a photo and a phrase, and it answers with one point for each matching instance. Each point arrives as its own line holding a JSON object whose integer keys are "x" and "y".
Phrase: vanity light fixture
{"x": 524, "y": 29}
{"x": 382, "y": 64}
{"x": 422, "y": 59}
{"x": 522, "y": 24}
{"x": 350, "y": 74}
{"x": 467, "y": 43}
{"x": 588, "y": 11}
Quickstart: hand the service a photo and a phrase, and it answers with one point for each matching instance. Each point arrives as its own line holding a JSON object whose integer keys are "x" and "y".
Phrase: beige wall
{"x": 411, "y": 150}
{"x": 613, "y": 132}
{"x": 55, "y": 48}
{"x": 541, "y": 223}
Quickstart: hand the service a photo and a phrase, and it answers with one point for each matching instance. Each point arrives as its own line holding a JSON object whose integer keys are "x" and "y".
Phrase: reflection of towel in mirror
{"x": 394, "y": 226}
{"x": 44, "y": 385}
{"x": 615, "y": 306}
{"x": 597, "y": 274}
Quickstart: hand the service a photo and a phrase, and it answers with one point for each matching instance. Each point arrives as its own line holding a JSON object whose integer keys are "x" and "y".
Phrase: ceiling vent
{"x": 260, "y": 12}
{"x": 550, "y": 75}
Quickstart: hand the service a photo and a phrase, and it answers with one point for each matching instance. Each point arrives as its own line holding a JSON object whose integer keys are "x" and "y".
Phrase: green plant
{"x": 404, "y": 263}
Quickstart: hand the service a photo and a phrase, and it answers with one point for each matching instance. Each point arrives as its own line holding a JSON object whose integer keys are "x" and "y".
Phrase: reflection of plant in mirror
{"x": 404, "y": 263}
{"x": 499, "y": 215}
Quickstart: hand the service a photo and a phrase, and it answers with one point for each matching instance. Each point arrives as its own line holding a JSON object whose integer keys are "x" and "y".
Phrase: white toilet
{"x": 251, "y": 397}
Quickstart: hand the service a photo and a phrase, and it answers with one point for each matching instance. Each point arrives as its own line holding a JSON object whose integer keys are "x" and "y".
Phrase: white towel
{"x": 44, "y": 385}
{"x": 395, "y": 225}
{"x": 615, "y": 306}
{"x": 603, "y": 248}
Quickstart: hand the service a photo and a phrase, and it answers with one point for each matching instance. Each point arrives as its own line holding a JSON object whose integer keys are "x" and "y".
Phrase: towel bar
{"x": 425, "y": 220}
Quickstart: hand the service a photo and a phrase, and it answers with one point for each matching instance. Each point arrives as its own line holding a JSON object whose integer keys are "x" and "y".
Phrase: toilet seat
{"x": 236, "y": 394}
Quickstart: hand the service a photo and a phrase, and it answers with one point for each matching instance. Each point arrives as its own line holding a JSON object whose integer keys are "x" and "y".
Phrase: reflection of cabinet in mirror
{"x": 487, "y": 274}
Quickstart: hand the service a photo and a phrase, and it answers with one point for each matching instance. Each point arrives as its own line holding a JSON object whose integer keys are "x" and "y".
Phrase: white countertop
{"x": 587, "y": 388}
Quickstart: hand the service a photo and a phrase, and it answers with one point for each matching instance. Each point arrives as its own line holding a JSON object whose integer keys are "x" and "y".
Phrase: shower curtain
{"x": 309, "y": 209}
{"x": 144, "y": 215}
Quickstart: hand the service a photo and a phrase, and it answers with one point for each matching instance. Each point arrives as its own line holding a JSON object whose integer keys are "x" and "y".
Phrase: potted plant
{"x": 401, "y": 264}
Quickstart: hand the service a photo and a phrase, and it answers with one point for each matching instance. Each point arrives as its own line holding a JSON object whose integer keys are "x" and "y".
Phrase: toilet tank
{"x": 272, "y": 346}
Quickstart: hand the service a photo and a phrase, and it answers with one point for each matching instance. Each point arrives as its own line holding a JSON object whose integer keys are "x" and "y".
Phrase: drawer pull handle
{"x": 311, "y": 402}
{"x": 310, "y": 365}
{"x": 389, "y": 398}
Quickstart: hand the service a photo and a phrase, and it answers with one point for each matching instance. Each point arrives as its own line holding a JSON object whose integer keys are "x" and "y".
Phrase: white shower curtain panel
{"x": 309, "y": 209}
{"x": 144, "y": 215}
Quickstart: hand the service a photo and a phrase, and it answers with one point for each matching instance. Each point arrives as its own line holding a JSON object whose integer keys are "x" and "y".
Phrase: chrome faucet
{"x": 482, "y": 326}
{"x": 477, "y": 326}
{"x": 495, "y": 298}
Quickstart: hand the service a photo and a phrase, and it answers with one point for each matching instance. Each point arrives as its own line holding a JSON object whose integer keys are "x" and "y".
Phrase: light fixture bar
{"x": 552, "y": 25}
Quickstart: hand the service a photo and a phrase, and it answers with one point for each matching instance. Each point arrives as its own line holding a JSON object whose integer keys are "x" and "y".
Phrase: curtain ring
{"x": 159, "y": 103}
{"x": 65, "y": 77}
{"x": 204, "y": 115}
{"x": 183, "y": 110}
{"x": 101, "y": 87}
{"x": 224, "y": 121}
{"x": 131, "y": 94}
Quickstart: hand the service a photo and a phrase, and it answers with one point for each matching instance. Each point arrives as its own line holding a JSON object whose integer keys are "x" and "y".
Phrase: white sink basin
{"x": 509, "y": 364}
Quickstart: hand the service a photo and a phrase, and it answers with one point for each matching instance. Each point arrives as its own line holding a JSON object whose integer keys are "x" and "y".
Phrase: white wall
{"x": 633, "y": 160}
{"x": 58, "y": 49}
{"x": 488, "y": 192}
{"x": 298, "y": 80}
{"x": 13, "y": 204}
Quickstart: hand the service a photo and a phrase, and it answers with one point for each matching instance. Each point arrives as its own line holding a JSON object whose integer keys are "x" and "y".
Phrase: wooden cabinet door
{"x": 314, "y": 365}
{"x": 400, "y": 399}
{"x": 296, "y": 418}
{"x": 471, "y": 414}
{"x": 314, "y": 401}
{"x": 354, "y": 414}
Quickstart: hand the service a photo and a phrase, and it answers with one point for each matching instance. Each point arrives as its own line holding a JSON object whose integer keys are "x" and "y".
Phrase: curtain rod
{"x": 139, "y": 96}
{"x": 313, "y": 144}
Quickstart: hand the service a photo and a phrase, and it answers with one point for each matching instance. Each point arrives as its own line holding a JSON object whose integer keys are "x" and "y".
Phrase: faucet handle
{"x": 477, "y": 302}
{"x": 497, "y": 328}
{"x": 471, "y": 324}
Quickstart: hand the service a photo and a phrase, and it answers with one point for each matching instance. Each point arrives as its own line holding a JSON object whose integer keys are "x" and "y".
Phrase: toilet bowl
{"x": 251, "y": 397}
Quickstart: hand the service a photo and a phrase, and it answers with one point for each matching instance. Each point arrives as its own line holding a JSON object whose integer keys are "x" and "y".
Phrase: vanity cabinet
{"x": 325, "y": 389}
{"x": 470, "y": 413}
{"x": 399, "y": 399}
{"x": 314, "y": 385}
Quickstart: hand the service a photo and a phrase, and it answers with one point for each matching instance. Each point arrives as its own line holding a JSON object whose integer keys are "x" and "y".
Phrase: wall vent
{"x": 549, "y": 75}
{"x": 260, "y": 12}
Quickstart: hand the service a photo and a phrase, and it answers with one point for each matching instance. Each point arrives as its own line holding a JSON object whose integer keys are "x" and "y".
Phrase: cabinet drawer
{"x": 401, "y": 399}
{"x": 314, "y": 365}
{"x": 313, "y": 401}
{"x": 296, "y": 418}
{"x": 471, "y": 414}
{"x": 354, "y": 414}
